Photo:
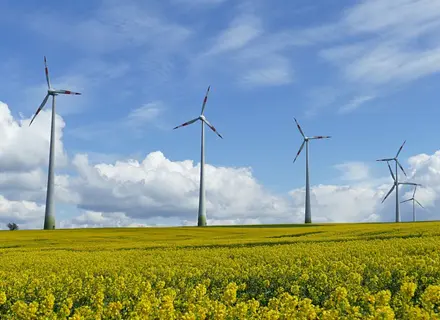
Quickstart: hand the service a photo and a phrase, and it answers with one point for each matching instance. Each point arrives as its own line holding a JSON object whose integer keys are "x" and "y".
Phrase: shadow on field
{"x": 295, "y": 235}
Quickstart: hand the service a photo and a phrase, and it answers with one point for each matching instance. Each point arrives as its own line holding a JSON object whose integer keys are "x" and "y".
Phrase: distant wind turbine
{"x": 49, "y": 218}
{"x": 201, "y": 221}
{"x": 396, "y": 185}
{"x": 413, "y": 199}
{"x": 308, "y": 213}
{"x": 396, "y": 182}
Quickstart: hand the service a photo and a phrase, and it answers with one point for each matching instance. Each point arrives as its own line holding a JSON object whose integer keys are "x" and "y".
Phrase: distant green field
{"x": 331, "y": 271}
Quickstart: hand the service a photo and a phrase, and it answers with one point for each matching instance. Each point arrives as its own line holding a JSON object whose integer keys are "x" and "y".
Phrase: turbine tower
{"x": 49, "y": 217}
{"x": 201, "y": 221}
{"x": 396, "y": 181}
{"x": 414, "y": 200}
{"x": 308, "y": 213}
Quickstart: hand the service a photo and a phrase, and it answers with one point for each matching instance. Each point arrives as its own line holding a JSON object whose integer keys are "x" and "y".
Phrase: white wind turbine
{"x": 49, "y": 218}
{"x": 396, "y": 186}
{"x": 308, "y": 213}
{"x": 201, "y": 221}
{"x": 414, "y": 200}
{"x": 395, "y": 178}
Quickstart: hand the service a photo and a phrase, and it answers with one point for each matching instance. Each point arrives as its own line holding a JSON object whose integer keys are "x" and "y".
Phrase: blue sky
{"x": 364, "y": 73}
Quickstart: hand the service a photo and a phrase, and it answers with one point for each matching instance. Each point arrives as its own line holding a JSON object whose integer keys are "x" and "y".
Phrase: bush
{"x": 12, "y": 226}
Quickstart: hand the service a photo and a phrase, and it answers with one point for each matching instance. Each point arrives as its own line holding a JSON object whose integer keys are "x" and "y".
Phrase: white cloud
{"x": 332, "y": 203}
{"x": 91, "y": 219}
{"x": 24, "y": 213}
{"x": 355, "y": 103}
{"x": 270, "y": 76}
{"x": 400, "y": 17}
{"x": 194, "y": 3}
{"x": 145, "y": 114}
{"x": 354, "y": 171}
{"x": 319, "y": 98}
{"x": 158, "y": 191}
{"x": 135, "y": 121}
{"x": 393, "y": 49}
{"x": 159, "y": 187}
{"x": 115, "y": 25}
{"x": 24, "y": 148}
{"x": 242, "y": 30}
{"x": 257, "y": 56}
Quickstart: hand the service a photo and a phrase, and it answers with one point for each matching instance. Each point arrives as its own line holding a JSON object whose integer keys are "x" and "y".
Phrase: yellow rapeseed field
{"x": 349, "y": 271}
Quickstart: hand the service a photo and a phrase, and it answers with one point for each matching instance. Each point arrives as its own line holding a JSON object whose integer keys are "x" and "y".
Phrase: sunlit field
{"x": 344, "y": 271}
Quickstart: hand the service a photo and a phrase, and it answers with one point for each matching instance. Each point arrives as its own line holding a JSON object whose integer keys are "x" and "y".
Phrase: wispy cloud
{"x": 145, "y": 114}
{"x": 198, "y": 3}
{"x": 258, "y": 57}
{"x": 115, "y": 25}
{"x": 242, "y": 30}
{"x": 355, "y": 103}
{"x": 267, "y": 76}
{"x": 396, "y": 47}
{"x": 378, "y": 46}
{"x": 136, "y": 121}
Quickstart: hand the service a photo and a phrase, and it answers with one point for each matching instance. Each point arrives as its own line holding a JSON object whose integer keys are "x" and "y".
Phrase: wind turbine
{"x": 413, "y": 199}
{"x": 308, "y": 213}
{"x": 395, "y": 178}
{"x": 49, "y": 218}
{"x": 201, "y": 221}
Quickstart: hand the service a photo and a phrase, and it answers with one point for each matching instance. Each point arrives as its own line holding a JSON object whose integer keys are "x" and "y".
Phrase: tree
{"x": 12, "y": 226}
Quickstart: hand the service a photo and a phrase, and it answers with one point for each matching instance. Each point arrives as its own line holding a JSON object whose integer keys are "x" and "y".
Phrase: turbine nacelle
{"x": 306, "y": 139}
{"x": 201, "y": 117}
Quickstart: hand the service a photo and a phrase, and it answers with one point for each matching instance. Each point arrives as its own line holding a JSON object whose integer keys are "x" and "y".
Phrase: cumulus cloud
{"x": 353, "y": 171}
{"x": 25, "y": 148}
{"x": 159, "y": 191}
{"x": 157, "y": 186}
{"x": 425, "y": 169}
{"x": 92, "y": 219}
{"x": 24, "y": 213}
{"x": 331, "y": 203}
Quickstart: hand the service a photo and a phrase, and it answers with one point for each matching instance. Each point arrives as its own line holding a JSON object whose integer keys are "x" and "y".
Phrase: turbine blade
{"x": 408, "y": 183}
{"x": 299, "y": 128}
{"x": 320, "y": 137}
{"x": 391, "y": 171}
{"x": 205, "y": 99}
{"x": 212, "y": 128}
{"x": 400, "y": 149}
{"x": 39, "y": 108}
{"x": 66, "y": 92}
{"x": 299, "y": 151}
{"x": 405, "y": 200}
{"x": 419, "y": 204}
{"x": 187, "y": 123}
{"x": 47, "y": 72}
{"x": 414, "y": 193}
{"x": 389, "y": 192}
{"x": 401, "y": 167}
{"x": 384, "y": 159}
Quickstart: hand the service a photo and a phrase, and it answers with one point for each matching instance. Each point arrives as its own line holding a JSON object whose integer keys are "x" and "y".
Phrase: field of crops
{"x": 350, "y": 271}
